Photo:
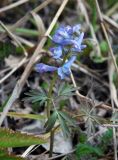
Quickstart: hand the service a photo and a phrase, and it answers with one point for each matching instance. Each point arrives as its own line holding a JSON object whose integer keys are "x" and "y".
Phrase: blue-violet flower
{"x": 77, "y": 43}
{"x": 67, "y": 39}
{"x": 41, "y": 68}
{"x": 76, "y": 28}
{"x": 64, "y": 71}
{"x": 56, "y": 52}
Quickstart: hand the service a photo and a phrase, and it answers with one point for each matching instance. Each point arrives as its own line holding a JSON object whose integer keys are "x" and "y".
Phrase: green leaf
{"x": 68, "y": 119}
{"x": 6, "y": 156}
{"x": 82, "y": 137}
{"x": 104, "y": 47}
{"x": 10, "y": 157}
{"x": 66, "y": 90}
{"x": 107, "y": 135}
{"x": 93, "y": 13}
{"x": 106, "y": 139}
{"x": 51, "y": 121}
{"x": 98, "y": 59}
{"x": 4, "y": 104}
{"x": 64, "y": 127}
{"x": 111, "y": 3}
{"x": 45, "y": 85}
{"x": 10, "y": 138}
{"x": 6, "y": 49}
{"x": 87, "y": 149}
{"x": 25, "y": 32}
{"x": 35, "y": 96}
{"x": 29, "y": 116}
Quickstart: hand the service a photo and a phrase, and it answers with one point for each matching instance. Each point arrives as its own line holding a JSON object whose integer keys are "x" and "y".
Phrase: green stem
{"x": 49, "y": 106}
{"x": 51, "y": 142}
{"x": 50, "y": 94}
{"x": 48, "y": 113}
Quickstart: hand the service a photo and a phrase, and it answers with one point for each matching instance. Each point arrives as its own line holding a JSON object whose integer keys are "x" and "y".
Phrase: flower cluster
{"x": 67, "y": 40}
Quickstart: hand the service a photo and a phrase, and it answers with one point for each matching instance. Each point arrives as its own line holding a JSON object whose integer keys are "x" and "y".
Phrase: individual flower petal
{"x": 62, "y": 36}
{"x": 56, "y": 52}
{"x": 69, "y": 30}
{"x": 62, "y": 31}
{"x": 76, "y": 28}
{"x": 41, "y": 67}
{"x": 57, "y": 39}
{"x": 77, "y": 47}
{"x": 79, "y": 39}
{"x": 64, "y": 71}
{"x": 83, "y": 46}
{"x": 61, "y": 40}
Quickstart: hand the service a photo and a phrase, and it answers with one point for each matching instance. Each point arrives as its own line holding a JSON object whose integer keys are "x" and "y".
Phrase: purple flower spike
{"x": 56, "y": 52}
{"x": 41, "y": 67}
{"x": 64, "y": 71}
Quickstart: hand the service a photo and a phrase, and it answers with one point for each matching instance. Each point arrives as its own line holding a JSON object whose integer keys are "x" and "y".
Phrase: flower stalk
{"x": 68, "y": 43}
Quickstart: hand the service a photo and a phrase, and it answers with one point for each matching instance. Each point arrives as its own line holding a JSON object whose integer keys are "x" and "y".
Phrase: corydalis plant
{"x": 68, "y": 42}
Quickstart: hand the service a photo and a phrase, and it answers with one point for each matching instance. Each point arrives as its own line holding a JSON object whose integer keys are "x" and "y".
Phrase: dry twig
{"x": 13, "y": 5}
{"x": 86, "y": 99}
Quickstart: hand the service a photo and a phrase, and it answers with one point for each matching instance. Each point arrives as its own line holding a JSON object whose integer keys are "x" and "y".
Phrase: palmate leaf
{"x": 6, "y": 156}
{"x": 51, "y": 121}
{"x": 87, "y": 149}
{"x": 64, "y": 127}
{"x": 36, "y": 96}
{"x": 10, "y": 138}
{"x": 63, "y": 120}
{"x": 67, "y": 118}
{"x": 66, "y": 90}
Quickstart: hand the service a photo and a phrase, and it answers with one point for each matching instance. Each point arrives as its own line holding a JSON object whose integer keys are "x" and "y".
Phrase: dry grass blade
{"x": 112, "y": 10}
{"x": 110, "y": 21}
{"x": 111, "y": 125}
{"x": 13, "y": 5}
{"x": 39, "y": 23}
{"x": 113, "y": 99}
{"x": 24, "y": 41}
{"x": 27, "y": 151}
{"x": 113, "y": 90}
{"x": 106, "y": 35}
{"x": 41, "y": 6}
